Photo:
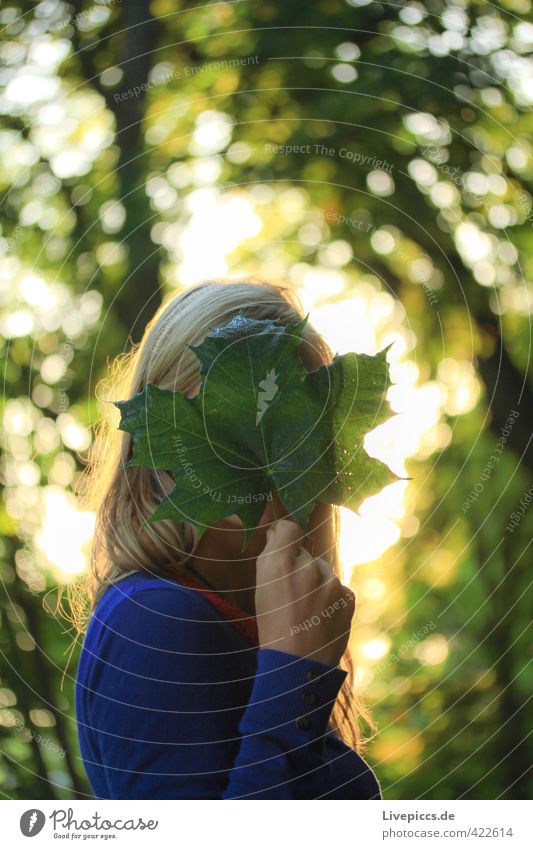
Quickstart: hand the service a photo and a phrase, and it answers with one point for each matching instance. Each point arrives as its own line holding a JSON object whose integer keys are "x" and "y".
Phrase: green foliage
{"x": 262, "y": 423}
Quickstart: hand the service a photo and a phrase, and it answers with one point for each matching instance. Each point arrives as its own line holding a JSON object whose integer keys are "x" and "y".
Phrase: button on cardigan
{"x": 174, "y": 700}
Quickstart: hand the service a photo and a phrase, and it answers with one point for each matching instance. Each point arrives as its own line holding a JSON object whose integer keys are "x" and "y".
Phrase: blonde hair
{"x": 124, "y": 497}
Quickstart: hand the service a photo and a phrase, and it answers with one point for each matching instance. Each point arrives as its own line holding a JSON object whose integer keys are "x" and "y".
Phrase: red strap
{"x": 244, "y": 622}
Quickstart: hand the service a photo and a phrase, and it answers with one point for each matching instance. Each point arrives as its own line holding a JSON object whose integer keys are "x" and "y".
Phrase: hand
{"x": 301, "y": 606}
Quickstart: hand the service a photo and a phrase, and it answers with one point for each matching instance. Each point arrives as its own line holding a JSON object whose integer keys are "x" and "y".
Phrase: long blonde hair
{"x": 124, "y": 497}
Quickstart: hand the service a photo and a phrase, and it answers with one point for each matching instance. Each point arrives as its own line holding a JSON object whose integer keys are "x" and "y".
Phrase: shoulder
{"x": 154, "y": 649}
{"x": 152, "y": 596}
{"x": 158, "y": 613}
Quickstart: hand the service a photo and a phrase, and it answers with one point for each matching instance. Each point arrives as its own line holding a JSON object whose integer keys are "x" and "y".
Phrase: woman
{"x": 208, "y": 672}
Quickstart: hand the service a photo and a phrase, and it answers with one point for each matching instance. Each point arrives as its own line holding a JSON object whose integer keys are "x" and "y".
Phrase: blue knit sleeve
{"x": 172, "y": 702}
{"x": 284, "y": 728}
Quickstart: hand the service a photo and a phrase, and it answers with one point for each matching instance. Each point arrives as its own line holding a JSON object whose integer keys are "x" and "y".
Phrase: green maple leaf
{"x": 262, "y": 423}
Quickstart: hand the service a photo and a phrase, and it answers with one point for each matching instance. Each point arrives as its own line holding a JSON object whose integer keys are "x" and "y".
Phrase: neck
{"x": 220, "y": 563}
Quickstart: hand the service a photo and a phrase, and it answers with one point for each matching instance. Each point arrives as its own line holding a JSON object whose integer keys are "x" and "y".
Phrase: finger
{"x": 305, "y": 559}
{"x": 284, "y": 537}
{"x": 320, "y": 567}
{"x": 349, "y": 596}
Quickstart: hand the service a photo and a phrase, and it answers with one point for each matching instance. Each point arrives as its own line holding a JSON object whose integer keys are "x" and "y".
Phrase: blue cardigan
{"x": 174, "y": 702}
